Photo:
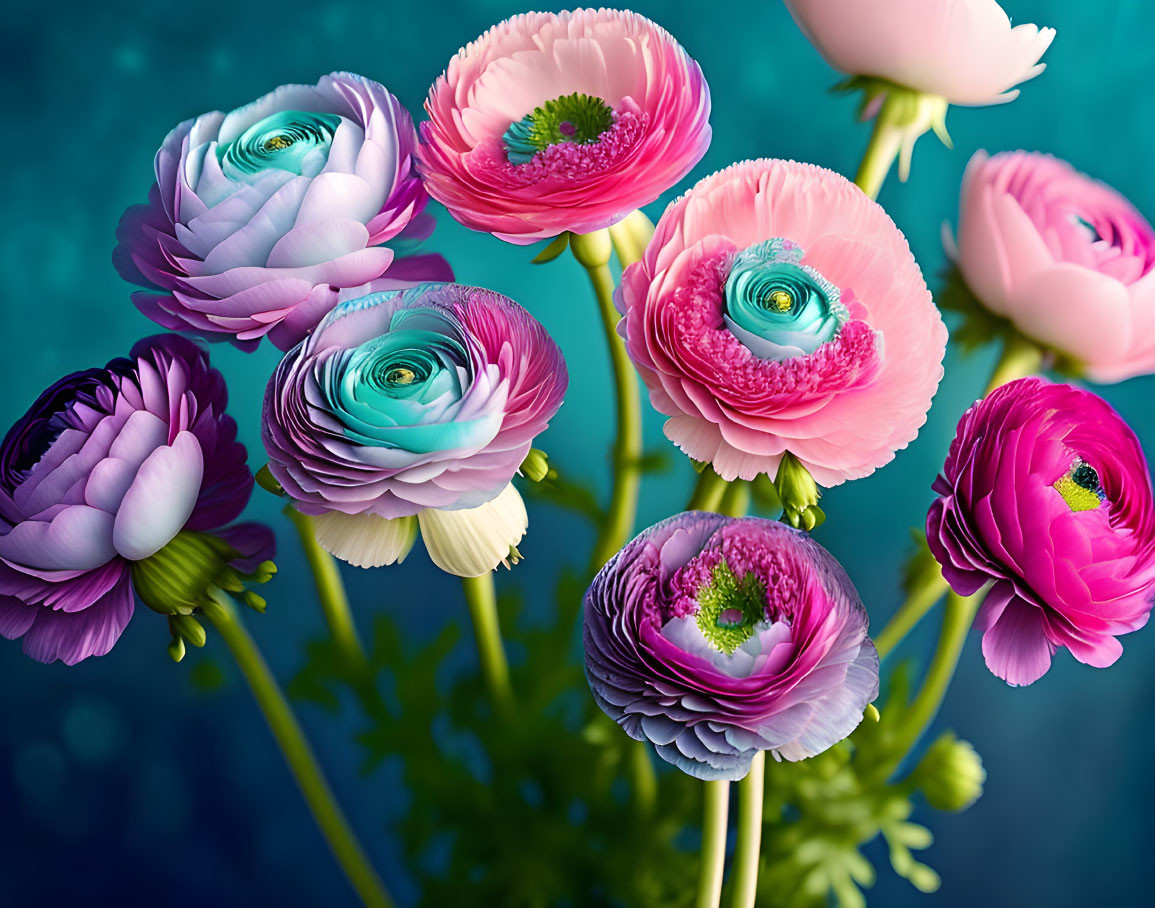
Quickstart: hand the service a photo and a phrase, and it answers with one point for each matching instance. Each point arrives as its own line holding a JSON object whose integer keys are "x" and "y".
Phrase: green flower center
{"x": 730, "y": 608}
{"x": 577, "y": 118}
{"x": 1080, "y": 487}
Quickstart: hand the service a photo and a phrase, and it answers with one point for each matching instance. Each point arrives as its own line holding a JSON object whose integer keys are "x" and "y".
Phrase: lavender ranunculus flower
{"x": 414, "y": 409}
{"x": 105, "y": 473}
{"x": 714, "y": 638}
{"x": 259, "y": 217}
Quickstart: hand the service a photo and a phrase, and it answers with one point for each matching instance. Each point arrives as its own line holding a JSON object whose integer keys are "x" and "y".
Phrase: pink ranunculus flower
{"x": 1046, "y": 496}
{"x": 778, "y": 309}
{"x": 562, "y": 121}
{"x": 962, "y": 50}
{"x": 261, "y": 216}
{"x": 106, "y": 470}
{"x": 1064, "y": 257}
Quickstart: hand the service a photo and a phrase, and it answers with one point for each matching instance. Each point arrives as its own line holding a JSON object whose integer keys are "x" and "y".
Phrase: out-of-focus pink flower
{"x": 778, "y": 309}
{"x": 1046, "y": 495}
{"x": 963, "y": 50}
{"x": 562, "y": 121}
{"x": 259, "y": 217}
{"x": 1064, "y": 257}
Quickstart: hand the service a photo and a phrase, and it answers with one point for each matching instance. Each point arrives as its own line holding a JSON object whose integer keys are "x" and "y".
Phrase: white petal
{"x": 365, "y": 540}
{"x": 473, "y": 542}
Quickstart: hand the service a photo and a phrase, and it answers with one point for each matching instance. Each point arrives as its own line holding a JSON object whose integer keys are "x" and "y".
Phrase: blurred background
{"x": 130, "y": 780}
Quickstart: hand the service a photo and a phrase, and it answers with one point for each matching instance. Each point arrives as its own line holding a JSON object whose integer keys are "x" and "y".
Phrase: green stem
{"x": 717, "y": 811}
{"x": 885, "y": 142}
{"x": 330, "y": 592}
{"x": 482, "y": 599}
{"x": 736, "y": 499}
{"x": 748, "y": 847}
{"x": 298, "y": 754}
{"x": 957, "y": 618}
{"x": 593, "y": 252}
{"x": 645, "y": 780}
{"x": 1020, "y": 358}
{"x": 709, "y": 491}
{"x": 927, "y": 590}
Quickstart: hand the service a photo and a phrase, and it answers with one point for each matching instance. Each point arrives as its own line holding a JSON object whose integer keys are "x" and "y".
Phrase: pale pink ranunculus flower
{"x": 562, "y": 121}
{"x": 776, "y": 309}
{"x": 963, "y": 50}
{"x": 1067, "y": 259}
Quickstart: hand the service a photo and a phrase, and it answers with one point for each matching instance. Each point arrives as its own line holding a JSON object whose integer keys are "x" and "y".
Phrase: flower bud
{"x": 535, "y": 467}
{"x": 799, "y": 494}
{"x": 951, "y": 774}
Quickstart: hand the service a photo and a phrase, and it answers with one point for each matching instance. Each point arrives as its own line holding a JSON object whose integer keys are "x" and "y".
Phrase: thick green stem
{"x": 927, "y": 590}
{"x": 957, "y": 618}
{"x": 330, "y": 592}
{"x": 645, "y": 780}
{"x": 298, "y": 754}
{"x": 1020, "y": 358}
{"x": 482, "y": 599}
{"x": 736, "y": 500}
{"x": 885, "y": 142}
{"x": 748, "y": 847}
{"x": 714, "y": 820}
{"x": 593, "y": 252}
{"x": 709, "y": 492}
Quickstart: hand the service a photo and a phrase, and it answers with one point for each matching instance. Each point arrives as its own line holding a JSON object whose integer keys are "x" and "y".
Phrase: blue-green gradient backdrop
{"x": 122, "y": 784}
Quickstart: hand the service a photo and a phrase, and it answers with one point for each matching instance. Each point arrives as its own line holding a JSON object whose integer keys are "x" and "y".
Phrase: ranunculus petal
{"x": 473, "y": 542}
{"x": 161, "y": 498}
{"x": 365, "y": 540}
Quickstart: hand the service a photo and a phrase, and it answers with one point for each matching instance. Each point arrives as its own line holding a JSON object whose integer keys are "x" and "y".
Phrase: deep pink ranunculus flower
{"x": 1065, "y": 258}
{"x": 104, "y": 470}
{"x": 778, "y": 309}
{"x": 1046, "y": 496}
{"x": 714, "y": 638}
{"x": 261, "y": 216}
{"x": 963, "y": 50}
{"x": 562, "y": 121}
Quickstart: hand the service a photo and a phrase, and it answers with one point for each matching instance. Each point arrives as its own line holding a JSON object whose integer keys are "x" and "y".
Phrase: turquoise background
{"x": 122, "y": 784}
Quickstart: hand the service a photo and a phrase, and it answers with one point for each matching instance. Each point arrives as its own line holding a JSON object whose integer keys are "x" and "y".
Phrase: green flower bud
{"x": 799, "y": 494}
{"x": 951, "y": 774}
{"x": 535, "y": 467}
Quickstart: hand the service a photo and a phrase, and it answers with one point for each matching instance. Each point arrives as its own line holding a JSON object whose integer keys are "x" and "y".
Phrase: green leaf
{"x": 553, "y": 250}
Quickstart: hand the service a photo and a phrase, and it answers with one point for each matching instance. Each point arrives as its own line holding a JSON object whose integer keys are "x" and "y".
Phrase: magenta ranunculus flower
{"x": 1037, "y": 240}
{"x": 778, "y": 309}
{"x": 414, "y": 408}
{"x": 105, "y": 471}
{"x": 259, "y": 217}
{"x": 962, "y": 50}
{"x": 562, "y": 121}
{"x": 714, "y": 638}
{"x": 1046, "y": 496}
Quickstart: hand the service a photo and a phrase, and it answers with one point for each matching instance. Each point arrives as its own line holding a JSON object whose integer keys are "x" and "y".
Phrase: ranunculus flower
{"x": 1046, "y": 496}
{"x": 778, "y": 309}
{"x": 259, "y": 217}
{"x": 714, "y": 638}
{"x": 1039, "y": 243}
{"x": 962, "y": 50}
{"x": 105, "y": 470}
{"x": 414, "y": 407}
{"x": 562, "y": 121}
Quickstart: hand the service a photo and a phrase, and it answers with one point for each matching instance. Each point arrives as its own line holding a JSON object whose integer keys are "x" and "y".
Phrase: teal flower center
{"x": 295, "y": 141}
{"x": 577, "y": 118}
{"x": 730, "y": 608}
{"x": 1080, "y": 487}
{"x": 776, "y": 306}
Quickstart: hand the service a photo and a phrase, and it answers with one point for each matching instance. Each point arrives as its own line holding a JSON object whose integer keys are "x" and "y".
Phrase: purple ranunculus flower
{"x": 714, "y": 638}
{"x": 105, "y": 469}
{"x": 414, "y": 408}
{"x": 259, "y": 217}
{"x": 1046, "y": 496}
